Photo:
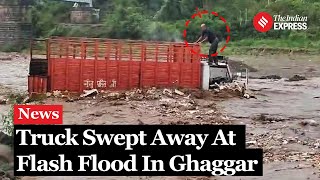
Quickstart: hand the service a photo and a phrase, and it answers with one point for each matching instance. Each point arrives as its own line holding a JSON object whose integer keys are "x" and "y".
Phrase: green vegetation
{"x": 13, "y": 47}
{"x": 7, "y": 119}
{"x": 7, "y": 122}
{"x": 165, "y": 20}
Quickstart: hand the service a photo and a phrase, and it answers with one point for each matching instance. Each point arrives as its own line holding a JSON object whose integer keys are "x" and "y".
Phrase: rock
{"x": 297, "y": 78}
{"x": 246, "y": 96}
{"x": 178, "y": 92}
{"x": 309, "y": 122}
{"x": 6, "y": 153}
{"x": 5, "y": 139}
{"x": 91, "y": 92}
{"x": 10, "y": 174}
{"x": 313, "y": 123}
{"x": 3, "y": 101}
{"x": 270, "y": 77}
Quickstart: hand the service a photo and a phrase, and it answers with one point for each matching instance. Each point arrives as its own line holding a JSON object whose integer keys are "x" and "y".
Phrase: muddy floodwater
{"x": 14, "y": 74}
{"x": 283, "y": 118}
{"x": 279, "y": 99}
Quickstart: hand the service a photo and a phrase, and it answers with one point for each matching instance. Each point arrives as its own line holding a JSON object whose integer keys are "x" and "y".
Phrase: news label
{"x": 38, "y": 114}
{"x": 134, "y": 150}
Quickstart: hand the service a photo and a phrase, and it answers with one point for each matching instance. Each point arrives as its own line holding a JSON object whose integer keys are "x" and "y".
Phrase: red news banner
{"x": 38, "y": 114}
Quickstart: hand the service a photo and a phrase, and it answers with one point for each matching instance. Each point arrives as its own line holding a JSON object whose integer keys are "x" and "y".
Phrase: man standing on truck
{"x": 207, "y": 35}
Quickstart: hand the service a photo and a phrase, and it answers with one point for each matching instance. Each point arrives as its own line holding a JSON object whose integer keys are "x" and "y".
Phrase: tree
{"x": 170, "y": 11}
{"x": 126, "y": 21}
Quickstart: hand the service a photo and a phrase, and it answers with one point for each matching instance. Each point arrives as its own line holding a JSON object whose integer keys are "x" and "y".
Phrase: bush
{"x": 127, "y": 23}
{"x": 7, "y": 122}
{"x": 14, "y": 47}
{"x": 7, "y": 119}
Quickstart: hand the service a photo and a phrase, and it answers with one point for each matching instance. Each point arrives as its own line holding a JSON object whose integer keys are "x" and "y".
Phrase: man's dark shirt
{"x": 207, "y": 33}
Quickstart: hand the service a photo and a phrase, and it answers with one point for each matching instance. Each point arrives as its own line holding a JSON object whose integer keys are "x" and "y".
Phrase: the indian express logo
{"x": 264, "y": 22}
{"x": 290, "y": 22}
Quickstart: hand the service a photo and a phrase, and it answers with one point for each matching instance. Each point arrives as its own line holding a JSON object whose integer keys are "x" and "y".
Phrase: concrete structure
{"x": 14, "y": 29}
{"x": 89, "y": 2}
{"x": 84, "y": 15}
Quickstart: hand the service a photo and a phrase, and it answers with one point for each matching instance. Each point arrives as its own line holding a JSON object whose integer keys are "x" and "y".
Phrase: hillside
{"x": 165, "y": 20}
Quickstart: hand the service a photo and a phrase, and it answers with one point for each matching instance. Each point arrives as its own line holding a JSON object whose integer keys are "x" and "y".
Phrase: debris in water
{"x": 167, "y": 92}
{"x": 297, "y": 78}
{"x": 91, "y": 92}
{"x": 151, "y": 91}
{"x": 179, "y": 123}
{"x": 284, "y": 142}
{"x": 69, "y": 99}
{"x": 117, "y": 103}
{"x": 251, "y": 142}
{"x": 57, "y": 93}
{"x": 98, "y": 113}
{"x": 138, "y": 91}
{"x": 263, "y": 118}
{"x": 26, "y": 100}
{"x": 246, "y": 96}
{"x": 178, "y": 92}
{"x": 3, "y": 100}
{"x": 270, "y": 77}
{"x": 113, "y": 96}
{"x": 5, "y": 58}
{"x": 309, "y": 122}
{"x": 249, "y": 94}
